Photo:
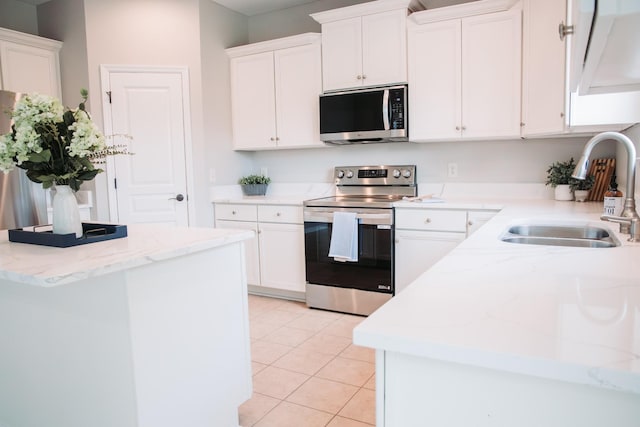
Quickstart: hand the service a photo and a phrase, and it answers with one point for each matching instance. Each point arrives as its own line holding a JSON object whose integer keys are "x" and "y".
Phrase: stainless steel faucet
{"x": 629, "y": 220}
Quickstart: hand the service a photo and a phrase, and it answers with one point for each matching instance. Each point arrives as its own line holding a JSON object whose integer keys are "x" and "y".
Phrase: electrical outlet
{"x": 264, "y": 171}
{"x": 452, "y": 170}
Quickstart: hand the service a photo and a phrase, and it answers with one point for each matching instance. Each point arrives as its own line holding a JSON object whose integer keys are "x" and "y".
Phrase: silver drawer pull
{"x": 233, "y": 212}
{"x": 427, "y": 221}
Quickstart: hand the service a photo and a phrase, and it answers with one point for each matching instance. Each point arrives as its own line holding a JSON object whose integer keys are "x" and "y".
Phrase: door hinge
{"x": 109, "y": 95}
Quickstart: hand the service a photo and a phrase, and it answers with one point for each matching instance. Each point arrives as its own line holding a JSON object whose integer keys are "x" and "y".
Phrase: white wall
{"x": 291, "y": 21}
{"x": 621, "y": 167}
{"x": 18, "y": 16}
{"x": 478, "y": 161}
{"x": 220, "y": 28}
{"x": 64, "y": 20}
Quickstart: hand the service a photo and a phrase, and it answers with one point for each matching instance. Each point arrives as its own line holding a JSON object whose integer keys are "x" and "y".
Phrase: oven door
{"x": 374, "y": 270}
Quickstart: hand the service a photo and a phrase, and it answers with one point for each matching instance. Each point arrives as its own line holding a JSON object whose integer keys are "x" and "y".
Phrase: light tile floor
{"x": 306, "y": 371}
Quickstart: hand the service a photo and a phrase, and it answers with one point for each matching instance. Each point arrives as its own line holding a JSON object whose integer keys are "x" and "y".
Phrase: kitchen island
{"x": 504, "y": 334}
{"x": 150, "y": 330}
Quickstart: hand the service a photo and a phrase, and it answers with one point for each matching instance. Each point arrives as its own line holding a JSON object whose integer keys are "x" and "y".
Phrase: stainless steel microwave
{"x": 364, "y": 115}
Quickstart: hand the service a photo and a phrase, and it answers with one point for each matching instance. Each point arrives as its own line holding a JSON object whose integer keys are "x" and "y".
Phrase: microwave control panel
{"x": 397, "y": 106}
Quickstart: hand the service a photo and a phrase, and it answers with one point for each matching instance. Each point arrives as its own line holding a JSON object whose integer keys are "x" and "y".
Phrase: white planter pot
{"x": 563, "y": 192}
{"x": 66, "y": 215}
{"x": 581, "y": 195}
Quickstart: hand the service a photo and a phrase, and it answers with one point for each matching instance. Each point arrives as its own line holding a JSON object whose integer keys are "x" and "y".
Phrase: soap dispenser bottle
{"x": 613, "y": 199}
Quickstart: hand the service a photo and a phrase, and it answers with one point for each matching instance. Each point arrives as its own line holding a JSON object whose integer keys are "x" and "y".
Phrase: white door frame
{"x": 105, "y": 71}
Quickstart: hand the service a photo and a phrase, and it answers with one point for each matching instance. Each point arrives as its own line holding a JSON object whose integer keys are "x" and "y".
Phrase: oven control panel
{"x": 376, "y": 175}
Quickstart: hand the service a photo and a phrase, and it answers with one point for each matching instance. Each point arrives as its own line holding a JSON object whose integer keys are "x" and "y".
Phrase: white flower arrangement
{"x": 53, "y": 144}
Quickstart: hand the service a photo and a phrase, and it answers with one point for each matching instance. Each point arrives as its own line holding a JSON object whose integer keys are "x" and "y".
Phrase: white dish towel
{"x": 344, "y": 237}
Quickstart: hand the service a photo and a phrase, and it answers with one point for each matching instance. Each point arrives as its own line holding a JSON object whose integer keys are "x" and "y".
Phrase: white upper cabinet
{"x": 29, "y": 63}
{"x": 543, "y": 88}
{"x": 464, "y": 75}
{"x": 435, "y": 85}
{"x": 253, "y": 101}
{"x": 549, "y": 105}
{"x": 274, "y": 93}
{"x": 364, "y": 44}
{"x": 491, "y": 75}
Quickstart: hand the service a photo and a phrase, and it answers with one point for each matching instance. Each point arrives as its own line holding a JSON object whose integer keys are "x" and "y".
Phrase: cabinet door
{"x": 250, "y": 248}
{"x": 476, "y": 219}
{"x": 29, "y": 69}
{"x": 384, "y": 48}
{"x": 417, "y": 251}
{"x": 342, "y": 54}
{"x": 491, "y": 74}
{"x": 434, "y": 81}
{"x": 282, "y": 256}
{"x": 298, "y": 86}
{"x": 253, "y": 101}
{"x": 543, "y": 74}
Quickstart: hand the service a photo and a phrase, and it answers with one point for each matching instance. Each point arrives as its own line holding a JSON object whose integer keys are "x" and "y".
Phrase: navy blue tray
{"x": 91, "y": 233}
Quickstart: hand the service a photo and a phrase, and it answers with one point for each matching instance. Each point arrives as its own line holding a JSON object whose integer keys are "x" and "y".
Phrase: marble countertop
{"x": 263, "y": 200}
{"x": 145, "y": 244}
{"x": 570, "y": 314}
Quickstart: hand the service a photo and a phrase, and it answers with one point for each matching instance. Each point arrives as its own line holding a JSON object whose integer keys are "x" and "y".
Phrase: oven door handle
{"x": 363, "y": 218}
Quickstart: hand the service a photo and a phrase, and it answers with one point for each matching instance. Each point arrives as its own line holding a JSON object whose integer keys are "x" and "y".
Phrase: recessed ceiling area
{"x": 34, "y": 2}
{"x": 258, "y": 7}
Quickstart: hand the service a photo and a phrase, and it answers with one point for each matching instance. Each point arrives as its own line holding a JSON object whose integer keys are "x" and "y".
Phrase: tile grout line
{"x": 333, "y": 321}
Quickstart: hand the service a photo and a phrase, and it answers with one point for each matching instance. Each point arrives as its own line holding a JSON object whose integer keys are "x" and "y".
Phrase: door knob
{"x": 179, "y": 197}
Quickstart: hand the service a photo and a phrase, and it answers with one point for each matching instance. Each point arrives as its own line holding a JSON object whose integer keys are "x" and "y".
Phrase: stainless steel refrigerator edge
{"x": 22, "y": 202}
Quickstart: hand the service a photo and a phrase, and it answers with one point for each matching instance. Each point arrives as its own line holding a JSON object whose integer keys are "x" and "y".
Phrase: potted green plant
{"x": 559, "y": 177}
{"x": 254, "y": 185}
{"x": 581, "y": 187}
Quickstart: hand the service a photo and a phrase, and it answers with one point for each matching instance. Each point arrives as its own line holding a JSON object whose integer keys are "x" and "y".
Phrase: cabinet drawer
{"x": 236, "y": 212}
{"x": 431, "y": 219}
{"x": 280, "y": 213}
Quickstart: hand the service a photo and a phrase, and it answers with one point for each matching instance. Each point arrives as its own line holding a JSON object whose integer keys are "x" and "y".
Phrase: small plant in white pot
{"x": 254, "y": 185}
{"x": 559, "y": 177}
{"x": 581, "y": 187}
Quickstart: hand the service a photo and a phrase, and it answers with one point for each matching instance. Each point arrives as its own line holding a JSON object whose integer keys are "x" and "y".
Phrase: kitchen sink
{"x": 575, "y": 235}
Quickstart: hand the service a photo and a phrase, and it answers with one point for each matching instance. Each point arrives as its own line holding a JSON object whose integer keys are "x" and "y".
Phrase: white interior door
{"x": 149, "y": 186}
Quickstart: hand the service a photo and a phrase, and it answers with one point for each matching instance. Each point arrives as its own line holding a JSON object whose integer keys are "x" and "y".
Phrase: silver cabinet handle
{"x": 359, "y": 77}
{"x": 179, "y": 197}
{"x": 457, "y": 127}
{"x": 564, "y": 30}
{"x": 427, "y": 221}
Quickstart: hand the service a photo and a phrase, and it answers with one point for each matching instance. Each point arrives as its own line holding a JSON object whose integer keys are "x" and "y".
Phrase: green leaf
{"x": 43, "y": 157}
{"x": 89, "y": 175}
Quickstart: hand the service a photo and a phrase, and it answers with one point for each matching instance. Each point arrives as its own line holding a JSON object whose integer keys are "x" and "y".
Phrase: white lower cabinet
{"x": 275, "y": 258}
{"x": 282, "y": 256}
{"x": 416, "y": 251}
{"x": 424, "y": 236}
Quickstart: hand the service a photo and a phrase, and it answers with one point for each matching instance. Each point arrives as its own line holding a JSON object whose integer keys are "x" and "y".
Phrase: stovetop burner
{"x": 370, "y": 186}
{"x": 355, "y": 201}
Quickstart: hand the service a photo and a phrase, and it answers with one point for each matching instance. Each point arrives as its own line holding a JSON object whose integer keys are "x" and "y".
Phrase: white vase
{"x": 66, "y": 215}
{"x": 581, "y": 195}
{"x": 563, "y": 192}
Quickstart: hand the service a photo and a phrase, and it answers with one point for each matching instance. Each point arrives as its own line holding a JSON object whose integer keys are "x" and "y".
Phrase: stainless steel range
{"x": 349, "y": 238}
